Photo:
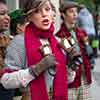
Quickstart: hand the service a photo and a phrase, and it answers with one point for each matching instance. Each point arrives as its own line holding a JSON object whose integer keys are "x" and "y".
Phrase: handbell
{"x": 46, "y": 50}
{"x": 71, "y": 40}
{"x": 65, "y": 43}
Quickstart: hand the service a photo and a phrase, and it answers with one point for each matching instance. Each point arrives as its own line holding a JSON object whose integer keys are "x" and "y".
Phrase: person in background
{"x": 4, "y": 41}
{"x": 74, "y": 42}
{"x": 86, "y": 22}
{"x": 38, "y": 65}
{"x": 17, "y": 29}
{"x": 18, "y": 22}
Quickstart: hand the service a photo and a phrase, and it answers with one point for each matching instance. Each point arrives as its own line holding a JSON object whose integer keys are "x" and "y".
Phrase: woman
{"x": 75, "y": 42}
{"x": 39, "y": 63}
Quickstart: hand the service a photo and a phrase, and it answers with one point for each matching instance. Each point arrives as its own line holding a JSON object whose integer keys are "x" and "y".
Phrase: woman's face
{"x": 42, "y": 17}
{"x": 71, "y": 15}
{"x": 4, "y": 18}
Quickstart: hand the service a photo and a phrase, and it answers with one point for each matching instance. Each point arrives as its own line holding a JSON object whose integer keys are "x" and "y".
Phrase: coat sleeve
{"x": 16, "y": 60}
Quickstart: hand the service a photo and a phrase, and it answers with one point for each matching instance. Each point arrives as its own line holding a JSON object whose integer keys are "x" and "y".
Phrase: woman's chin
{"x": 46, "y": 27}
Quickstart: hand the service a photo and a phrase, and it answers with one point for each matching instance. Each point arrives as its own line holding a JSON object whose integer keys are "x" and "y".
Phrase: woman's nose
{"x": 44, "y": 13}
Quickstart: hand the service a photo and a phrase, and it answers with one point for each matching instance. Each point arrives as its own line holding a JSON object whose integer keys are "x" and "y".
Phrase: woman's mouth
{"x": 45, "y": 22}
{"x": 6, "y": 24}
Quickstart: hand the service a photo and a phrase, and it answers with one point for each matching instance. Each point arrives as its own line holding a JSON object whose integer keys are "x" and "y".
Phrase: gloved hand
{"x": 75, "y": 59}
{"x": 74, "y": 55}
{"x": 44, "y": 64}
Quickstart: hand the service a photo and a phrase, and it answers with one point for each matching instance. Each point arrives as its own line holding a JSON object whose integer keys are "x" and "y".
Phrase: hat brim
{"x": 68, "y": 4}
{"x": 71, "y": 5}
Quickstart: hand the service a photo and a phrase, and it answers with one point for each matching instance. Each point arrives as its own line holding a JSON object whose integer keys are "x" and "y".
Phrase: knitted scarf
{"x": 64, "y": 32}
{"x": 38, "y": 87}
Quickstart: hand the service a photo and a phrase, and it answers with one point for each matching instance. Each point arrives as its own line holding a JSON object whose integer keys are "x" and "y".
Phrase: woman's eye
{"x": 36, "y": 11}
{"x": 2, "y": 13}
{"x": 47, "y": 8}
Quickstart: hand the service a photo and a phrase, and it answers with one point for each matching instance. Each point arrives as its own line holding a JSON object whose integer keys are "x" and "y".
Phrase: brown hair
{"x": 31, "y": 5}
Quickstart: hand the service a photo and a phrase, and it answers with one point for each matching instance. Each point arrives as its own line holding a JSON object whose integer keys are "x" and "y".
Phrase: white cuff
{"x": 16, "y": 79}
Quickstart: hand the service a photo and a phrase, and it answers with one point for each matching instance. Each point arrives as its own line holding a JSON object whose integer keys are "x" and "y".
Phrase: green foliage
{"x": 88, "y": 3}
{"x": 97, "y": 2}
{"x": 16, "y": 13}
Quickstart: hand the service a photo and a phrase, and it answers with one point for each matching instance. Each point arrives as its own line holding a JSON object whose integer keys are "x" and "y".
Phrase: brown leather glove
{"x": 72, "y": 52}
{"x": 75, "y": 58}
{"x": 69, "y": 45}
{"x": 44, "y": 64}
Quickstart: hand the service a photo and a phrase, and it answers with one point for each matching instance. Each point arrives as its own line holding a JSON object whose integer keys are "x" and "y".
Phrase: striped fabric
{"x": 81, "y": 93}
{"x": 15, "y": 57}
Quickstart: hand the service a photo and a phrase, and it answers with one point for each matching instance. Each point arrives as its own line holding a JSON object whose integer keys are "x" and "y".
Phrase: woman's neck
{"x": 69, "y": 26}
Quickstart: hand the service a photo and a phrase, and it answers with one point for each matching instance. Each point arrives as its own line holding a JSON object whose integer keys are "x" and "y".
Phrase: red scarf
{"x": 63, "y": 32}
{"x": 38, "y": 87}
